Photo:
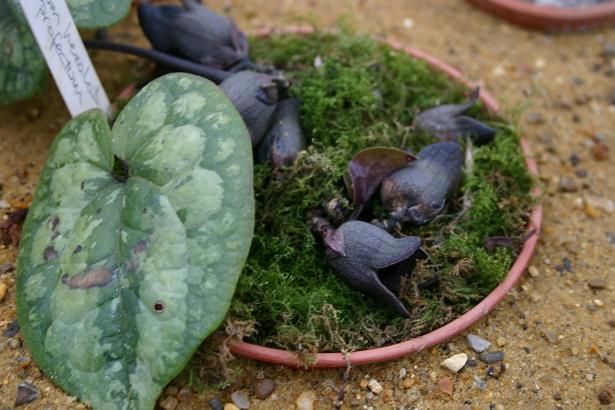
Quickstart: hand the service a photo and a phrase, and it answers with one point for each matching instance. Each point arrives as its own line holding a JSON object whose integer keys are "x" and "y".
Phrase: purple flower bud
{"x": 446, "y": 122}
{"x": 285, "y": 139}
{"x": 417, "y": 193}
{"x": 255, "y": 96}
{"x": 194, "y": 32}
{"x": 366, "y": 257}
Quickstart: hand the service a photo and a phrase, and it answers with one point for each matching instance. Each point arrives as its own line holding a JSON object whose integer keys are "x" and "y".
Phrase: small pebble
{"x": 2, "y": 291}
{"x": 500, "y": 342}
{"x": 171, "y": 391}
{"x": 597, "y": 283}
{"x": 480, "y": 383}
{"x": 540, "y": 63}
{"x": 230, "y": 406}
{"x": 263, "y": 388}
{"x": 35, "y": 373}
{"x": 446, "y": 385}
{"x": 611, "y": 323}
{"x": 375, "y": 386}
{"x": 590, "y": 377}
{"x": 477, "y": 343}
{"x": 23, "y": 362}
{"x": 608, "y": 51}
{"x": 305, "y": 401}
{"x": 215, "y": 404}
{"x": 496, "y": 371}
{"x": 455, "y": 362}
{"x": 551, "y": 337}
{"x": 535, "y": 118}
{"x": 169, "y": 403}
{"x": 574, "y": 160}
{"x": 408, "y": 23}
{"x": 369, "y": 395}
{"x": 472, "y": 363}
{"x": 4, "y": 204}
{"x": 26, "y": 393}
{"x": 605, "y": 396}
{"x": 592, "y": 212}
{"x": 568, "y": 185}
{"x": 363, "y": 383}
{"x": 14, "y": 343}
{"x": 533, "y": 271}
{"x": 600, "y": 151}
{"x": 12, "y": 329}
{"x": 185, "y": 394}
{"x": 600, "y": 203}
{"x": 6, "y": 267}
{"x": 491, "y": 357}
{"x": 402, "y": 373}
{"x": 240, "y": 399}
{"x": 408, "y": 382}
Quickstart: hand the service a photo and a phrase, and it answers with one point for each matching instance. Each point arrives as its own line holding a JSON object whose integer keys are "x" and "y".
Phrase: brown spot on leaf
{"x": 140, "y": 247}
{"x": 50, "y": 253}
{"x": 95, "y": 277}
{"x": 54, "y": 223}
{"x": 132, "y": 266}
{"x": 77, "y": 249}
{"x": 159, "y": 306}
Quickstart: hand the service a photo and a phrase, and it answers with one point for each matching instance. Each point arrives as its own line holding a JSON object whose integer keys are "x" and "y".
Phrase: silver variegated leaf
{"x": 135, "y": 240}
{"x": 23, "y": 72}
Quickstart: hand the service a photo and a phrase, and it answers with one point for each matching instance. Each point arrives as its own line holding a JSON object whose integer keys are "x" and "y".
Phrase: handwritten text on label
{"x": 61, "y": 45}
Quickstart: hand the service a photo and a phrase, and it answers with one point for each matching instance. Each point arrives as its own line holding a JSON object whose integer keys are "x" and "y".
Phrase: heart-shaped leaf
{"x": 23, "y": 73}
{"x": 370, "y": 166}
{"x": 89, "y": 14}
{"x": 135, "y": 240}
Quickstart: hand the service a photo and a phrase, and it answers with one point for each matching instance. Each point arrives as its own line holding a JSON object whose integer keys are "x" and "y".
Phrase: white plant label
{"x": 61, "y": 45}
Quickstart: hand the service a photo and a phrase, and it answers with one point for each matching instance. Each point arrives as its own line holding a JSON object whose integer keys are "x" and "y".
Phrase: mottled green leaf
{"x": 89, "y": 14}
{"x": 23, "y": 72}
{"x": 135, "y": 240}
{"x": 98, "y": 13}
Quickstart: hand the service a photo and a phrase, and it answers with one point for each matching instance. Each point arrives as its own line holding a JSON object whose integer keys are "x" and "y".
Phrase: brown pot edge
{"x": 547, "y": 18}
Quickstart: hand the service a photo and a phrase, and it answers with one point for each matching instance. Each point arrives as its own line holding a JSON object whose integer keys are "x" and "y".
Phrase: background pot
{"x": 339, "y": 360}
{"x": 549, "y": 18}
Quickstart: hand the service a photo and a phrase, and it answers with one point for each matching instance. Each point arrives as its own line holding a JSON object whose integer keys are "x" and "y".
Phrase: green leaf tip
{"x": 135, "y": 240}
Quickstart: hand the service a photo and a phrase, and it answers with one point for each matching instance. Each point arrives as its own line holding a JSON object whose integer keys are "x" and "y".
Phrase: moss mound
{"x": 357, "y": 93}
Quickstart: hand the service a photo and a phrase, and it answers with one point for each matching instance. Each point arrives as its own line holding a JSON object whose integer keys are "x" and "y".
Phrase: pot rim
{"x": 549, "y": 18}
{"x": 463, "y": 322}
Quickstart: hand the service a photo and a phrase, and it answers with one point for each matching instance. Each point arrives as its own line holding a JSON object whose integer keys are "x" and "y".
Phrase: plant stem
{"x": 169, "y": 61}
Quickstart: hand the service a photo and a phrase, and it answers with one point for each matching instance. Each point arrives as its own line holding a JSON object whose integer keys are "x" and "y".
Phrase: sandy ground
{"x": 554, "y": 329}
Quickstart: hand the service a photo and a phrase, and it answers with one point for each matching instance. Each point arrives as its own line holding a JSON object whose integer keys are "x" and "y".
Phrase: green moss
{"x": 365, "y": 94}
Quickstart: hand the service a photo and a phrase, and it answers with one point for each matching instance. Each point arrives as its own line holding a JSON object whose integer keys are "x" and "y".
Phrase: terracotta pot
{"x": 338, "y": 360}
{"x": 548, "y": 18}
